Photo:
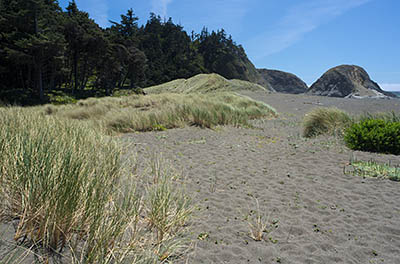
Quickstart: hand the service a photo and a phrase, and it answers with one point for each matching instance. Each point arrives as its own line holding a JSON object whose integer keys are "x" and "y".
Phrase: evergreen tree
{"x": 85, "y": 41}
{"x": 133, "y": 61}
{"x": 169, "y": 50}
{"x": 31, "y": 42}
{"x": 221, "y": 55}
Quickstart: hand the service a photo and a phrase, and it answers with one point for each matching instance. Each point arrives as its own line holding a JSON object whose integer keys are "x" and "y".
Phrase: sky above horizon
{"x": 304, "y": 37}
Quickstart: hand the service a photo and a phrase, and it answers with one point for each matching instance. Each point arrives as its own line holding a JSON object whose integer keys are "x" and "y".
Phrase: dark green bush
{"x": 374, "y": 135}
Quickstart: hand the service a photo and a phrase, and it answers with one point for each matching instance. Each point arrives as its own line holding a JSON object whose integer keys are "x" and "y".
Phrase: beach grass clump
{"x": 167, "y": 206}
{"x": 63, "y": 184}
{"x": 375, "y": 135}
{"x": 373, "y": 169}
{"x": 330, "y": 121}
{"x": 388, "y": 117}
{"x": 56, "y": 177}
{"x": 166, "y": 111}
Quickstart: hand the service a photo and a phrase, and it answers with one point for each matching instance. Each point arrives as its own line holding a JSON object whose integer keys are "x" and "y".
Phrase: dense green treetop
{"x": 45, "y": 50}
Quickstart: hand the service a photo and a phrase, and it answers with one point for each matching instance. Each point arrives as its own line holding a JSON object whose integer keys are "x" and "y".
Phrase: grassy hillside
{"x": 205, "y": 83}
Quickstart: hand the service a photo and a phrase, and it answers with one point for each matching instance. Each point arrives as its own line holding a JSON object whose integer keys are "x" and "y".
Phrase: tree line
{"x": 44, "y": 48}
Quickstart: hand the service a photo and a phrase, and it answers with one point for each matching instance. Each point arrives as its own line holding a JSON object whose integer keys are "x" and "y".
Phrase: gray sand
{"x": 315, "y": 212}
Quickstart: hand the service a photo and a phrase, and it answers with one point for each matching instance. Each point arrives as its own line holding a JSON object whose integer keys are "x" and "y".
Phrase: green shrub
{"x": 325, "y": 121}
{"x": 374, "y": 135}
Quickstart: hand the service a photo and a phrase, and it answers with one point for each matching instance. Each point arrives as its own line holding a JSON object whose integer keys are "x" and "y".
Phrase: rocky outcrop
{"x": 283, "y": 82}
{"x": 347, "y": 81}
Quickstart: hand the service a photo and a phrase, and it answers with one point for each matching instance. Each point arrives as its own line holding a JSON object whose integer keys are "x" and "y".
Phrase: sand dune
{"x": 315, "y": 212}
{"x": 205, "y": 83}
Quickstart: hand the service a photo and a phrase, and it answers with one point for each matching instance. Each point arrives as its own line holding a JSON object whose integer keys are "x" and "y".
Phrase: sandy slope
{"x": 321, "y": 214}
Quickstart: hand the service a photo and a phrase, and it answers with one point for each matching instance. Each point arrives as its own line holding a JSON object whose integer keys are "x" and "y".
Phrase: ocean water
{"x": 397, "y": 93}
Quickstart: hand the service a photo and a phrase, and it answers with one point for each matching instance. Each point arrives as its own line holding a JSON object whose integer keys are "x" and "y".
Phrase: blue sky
{"x": 304, "y": 37}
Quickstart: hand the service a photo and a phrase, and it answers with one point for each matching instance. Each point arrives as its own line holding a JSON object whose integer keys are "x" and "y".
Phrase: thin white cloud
{"x": 160, "y": 7}
{"x": 97, "y": 9}
{"x": 298, "y": 21}
{"x": 390, "y": 86}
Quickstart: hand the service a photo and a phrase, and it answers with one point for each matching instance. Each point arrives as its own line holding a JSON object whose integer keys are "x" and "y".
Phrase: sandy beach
{"x": 315, "y": 212}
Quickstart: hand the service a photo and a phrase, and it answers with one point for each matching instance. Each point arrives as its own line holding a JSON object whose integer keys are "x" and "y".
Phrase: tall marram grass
{"x": 63, "y": 183}
{"x": 152, "y": 112}
{"x": 333, "y": 121}
{"x": 56, "y": 178}
{"x": 326, "y": 121}
{"x": 387, "y": 117}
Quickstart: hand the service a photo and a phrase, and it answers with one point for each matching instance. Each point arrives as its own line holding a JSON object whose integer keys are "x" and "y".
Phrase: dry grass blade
{"x": 258, "y": 223}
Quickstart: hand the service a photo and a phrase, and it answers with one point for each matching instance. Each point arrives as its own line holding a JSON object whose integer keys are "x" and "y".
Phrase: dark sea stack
{"x": 283, "y": 82}
{"x": 347, "y": 81}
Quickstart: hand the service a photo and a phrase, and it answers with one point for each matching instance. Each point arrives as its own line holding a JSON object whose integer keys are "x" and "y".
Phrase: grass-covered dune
{"x": 205, "y": 83}
{"x": 164, "y": 111}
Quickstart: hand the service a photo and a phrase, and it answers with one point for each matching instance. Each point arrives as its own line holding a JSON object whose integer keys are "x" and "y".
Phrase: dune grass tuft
{"x": 53, "y": 175}
{"x": 167, "y": 206}
{"x": 325, "y": 121}
{"x": 63, "y": 183}
{"x": 387, "y": 117}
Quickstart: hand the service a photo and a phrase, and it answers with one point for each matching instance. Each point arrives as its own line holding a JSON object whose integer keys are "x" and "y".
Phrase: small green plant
{"x": 325, "y": 121}
{"x": 373, "y": 169}
{"x": 374, "y": 135}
